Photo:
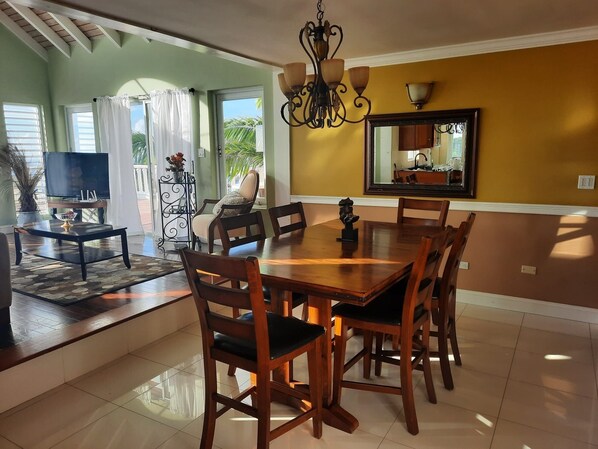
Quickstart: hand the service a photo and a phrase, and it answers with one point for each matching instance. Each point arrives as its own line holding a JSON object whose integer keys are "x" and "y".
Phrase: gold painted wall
{"x": 538, "y": 124}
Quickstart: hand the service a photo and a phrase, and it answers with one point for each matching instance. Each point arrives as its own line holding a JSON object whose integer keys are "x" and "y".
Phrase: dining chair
{"x": 403, "y": 310}
{"x": 240, "y": 230}
{"x": 235, "y": 202}
{"x": 295, "y": 213}
{"x": 412, "y": 204}
{"x": 444, "y": 300}
{"x": 258, "y": 342}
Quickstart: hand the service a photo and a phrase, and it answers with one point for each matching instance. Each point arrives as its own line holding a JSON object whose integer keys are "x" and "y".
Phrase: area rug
{"x": 61, "y": 282}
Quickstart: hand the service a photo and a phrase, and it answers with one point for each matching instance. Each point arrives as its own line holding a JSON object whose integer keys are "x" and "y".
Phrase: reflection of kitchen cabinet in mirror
{"x": 422, "y": 153}
{"x": 413, "y": 137}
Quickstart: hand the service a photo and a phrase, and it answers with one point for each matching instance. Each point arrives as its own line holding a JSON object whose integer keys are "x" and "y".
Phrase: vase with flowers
{"x": 176, "y": 164}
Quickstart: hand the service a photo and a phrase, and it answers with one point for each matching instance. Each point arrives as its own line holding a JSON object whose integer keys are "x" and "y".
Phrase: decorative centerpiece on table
{"x": 66, "y": 218}
{"x": 176, "y": 165}
{"x": 25, "y": 180}
{"x": 348, "y": 234}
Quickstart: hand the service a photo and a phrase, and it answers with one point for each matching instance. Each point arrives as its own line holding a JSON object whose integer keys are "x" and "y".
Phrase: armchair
{"x": 5, "y": 288}
{"x": 233, "y": 203}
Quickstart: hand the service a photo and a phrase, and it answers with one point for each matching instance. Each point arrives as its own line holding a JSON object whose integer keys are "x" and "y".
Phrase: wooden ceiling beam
{"x": 111, "y": 34}
{"x": 43, "y": 29}
{"x": 73, "y": 30}
{"x": 23, "y": 36}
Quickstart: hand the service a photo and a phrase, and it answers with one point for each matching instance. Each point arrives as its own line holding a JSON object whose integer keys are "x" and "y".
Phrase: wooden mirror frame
{"x": 464, "y": 190}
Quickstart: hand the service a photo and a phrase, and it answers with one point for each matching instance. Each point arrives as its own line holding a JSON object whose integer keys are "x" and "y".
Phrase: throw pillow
{"x": 231, "y": 198}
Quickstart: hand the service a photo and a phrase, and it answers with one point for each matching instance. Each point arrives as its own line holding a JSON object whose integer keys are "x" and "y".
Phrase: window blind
{"x": 24, "y": 129}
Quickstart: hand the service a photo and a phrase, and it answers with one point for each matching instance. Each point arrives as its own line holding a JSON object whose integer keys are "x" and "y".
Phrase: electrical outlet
{"x": 528, "y": 269}
{"x": 586, "y": 182}
{"x": 464, "y": 265}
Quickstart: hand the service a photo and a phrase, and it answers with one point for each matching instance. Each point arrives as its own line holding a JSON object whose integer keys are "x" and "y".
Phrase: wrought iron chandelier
{"x": 315, "y": 100}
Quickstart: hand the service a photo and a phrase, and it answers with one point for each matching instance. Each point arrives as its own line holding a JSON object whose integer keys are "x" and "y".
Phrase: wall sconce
{"x": 419, "y": 93}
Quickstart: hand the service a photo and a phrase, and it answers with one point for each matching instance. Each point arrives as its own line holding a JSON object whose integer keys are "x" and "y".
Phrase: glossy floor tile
{"x": 556, "y": 372}
{"x": 565, "y": 414}
{"x": 509, "y": 435}
{"x": 125, "y": 379}
{"x": 527, "y": 382}
{"x": 556, "y": 345}
{"x": 558, "y": 325}
{"x": 493, "y": 314}
{"x": 490, "y": 332}
{"x": 119, "y": 429}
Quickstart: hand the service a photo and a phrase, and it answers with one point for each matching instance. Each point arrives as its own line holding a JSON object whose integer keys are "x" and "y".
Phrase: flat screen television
{"x": 67, "y": 174}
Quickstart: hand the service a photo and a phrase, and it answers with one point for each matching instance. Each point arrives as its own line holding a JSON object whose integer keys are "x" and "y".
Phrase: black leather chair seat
{"x": 386, "y": 309}
{"x": 285, "y": 334}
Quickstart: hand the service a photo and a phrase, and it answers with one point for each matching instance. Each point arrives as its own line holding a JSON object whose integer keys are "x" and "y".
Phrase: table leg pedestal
{"x": 320, "y": 312}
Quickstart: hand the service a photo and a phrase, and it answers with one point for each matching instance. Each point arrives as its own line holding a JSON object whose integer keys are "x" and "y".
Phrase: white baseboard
{"x": 537, "y": 307}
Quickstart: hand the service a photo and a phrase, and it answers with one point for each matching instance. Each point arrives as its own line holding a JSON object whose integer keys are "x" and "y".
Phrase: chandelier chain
{"x": 320, "y": 14}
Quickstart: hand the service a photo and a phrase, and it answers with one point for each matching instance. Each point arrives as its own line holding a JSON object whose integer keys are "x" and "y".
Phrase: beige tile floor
{"x": 527, "y": 382}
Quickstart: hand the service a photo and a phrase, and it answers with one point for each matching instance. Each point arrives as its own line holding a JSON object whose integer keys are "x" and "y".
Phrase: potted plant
{"x": 176, "y": 164}
{"x": 24, "y": 179}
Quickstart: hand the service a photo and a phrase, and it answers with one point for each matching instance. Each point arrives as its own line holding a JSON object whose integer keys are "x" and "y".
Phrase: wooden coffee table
{"x": 78, "y": 233}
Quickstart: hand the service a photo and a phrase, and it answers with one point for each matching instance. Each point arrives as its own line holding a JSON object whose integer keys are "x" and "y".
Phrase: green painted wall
{"x": 140, "y": 67}
{"x": 23, "y": 79}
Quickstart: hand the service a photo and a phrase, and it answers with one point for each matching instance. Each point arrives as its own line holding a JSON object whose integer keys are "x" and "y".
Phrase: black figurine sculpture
{"x": 345, "y": 213}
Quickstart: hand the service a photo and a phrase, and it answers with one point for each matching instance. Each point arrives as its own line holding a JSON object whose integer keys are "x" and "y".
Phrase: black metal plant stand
{"x": 177, "y": 206}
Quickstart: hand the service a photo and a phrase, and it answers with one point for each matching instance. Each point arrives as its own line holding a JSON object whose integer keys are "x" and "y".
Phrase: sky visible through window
{"x": 232, "y": 109}
{"x": 241, "y": 108}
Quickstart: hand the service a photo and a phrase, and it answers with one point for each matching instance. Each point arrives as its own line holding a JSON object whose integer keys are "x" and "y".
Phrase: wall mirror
{"x": 430, "y": 153}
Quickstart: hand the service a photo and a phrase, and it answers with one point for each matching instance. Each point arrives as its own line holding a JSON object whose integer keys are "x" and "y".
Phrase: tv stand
{"x": 100, "y": 205}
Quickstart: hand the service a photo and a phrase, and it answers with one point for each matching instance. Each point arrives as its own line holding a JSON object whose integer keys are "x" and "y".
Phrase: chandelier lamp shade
{"x": 316, "y": 100}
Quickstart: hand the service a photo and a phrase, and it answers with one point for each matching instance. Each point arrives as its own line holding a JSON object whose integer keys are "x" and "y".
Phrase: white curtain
{"x": 171, "y": 130}
{"x": 114, "y": 119}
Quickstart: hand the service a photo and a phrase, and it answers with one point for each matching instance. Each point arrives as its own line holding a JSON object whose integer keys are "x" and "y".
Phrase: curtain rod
{"x": 146, "y": 96}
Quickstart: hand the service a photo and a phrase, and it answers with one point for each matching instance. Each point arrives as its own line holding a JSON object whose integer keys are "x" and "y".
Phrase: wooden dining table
{"x": 312, "y": 261}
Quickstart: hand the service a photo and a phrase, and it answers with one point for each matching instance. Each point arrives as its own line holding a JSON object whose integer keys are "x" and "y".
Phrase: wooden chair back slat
{"x": 421, "y": 280}
{"x": 224, "y": 296}
{"x": 241, "y": 229}
{"x": 230, "y": 326}
{"x": 296, "y": 214}
{"x": 406, "y": 204}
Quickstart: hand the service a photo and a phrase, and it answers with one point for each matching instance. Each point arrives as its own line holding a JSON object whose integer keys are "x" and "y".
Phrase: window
{"x": 24, "y": 129}
{"x": 81, "y": 131}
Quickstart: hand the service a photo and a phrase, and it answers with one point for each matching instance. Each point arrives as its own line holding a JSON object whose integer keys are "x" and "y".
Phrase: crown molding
{"x": 477, "y": 48}
{"x": 473, "y": 206}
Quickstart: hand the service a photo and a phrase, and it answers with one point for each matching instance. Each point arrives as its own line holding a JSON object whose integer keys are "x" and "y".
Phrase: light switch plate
{"x": 586, "y": 182}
